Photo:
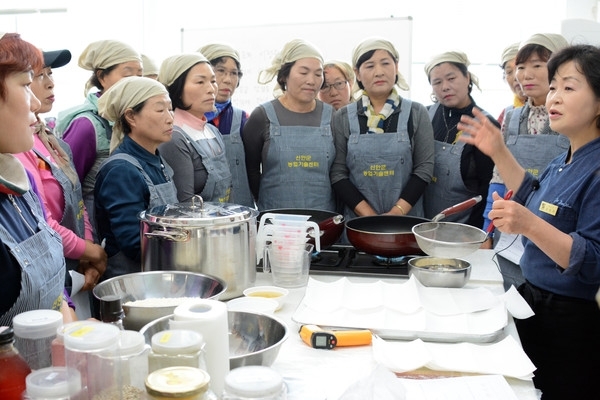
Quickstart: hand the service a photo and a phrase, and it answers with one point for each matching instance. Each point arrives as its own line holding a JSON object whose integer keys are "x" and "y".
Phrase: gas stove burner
{"x": 391, "y": 261}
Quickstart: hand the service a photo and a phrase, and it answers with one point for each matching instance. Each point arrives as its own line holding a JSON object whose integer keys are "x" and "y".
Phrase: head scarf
{"x": 451, "y": 56}
{"x": 126, "y": 93}
{"x": 344, "y": 67}
{"x": 218, "y": 50}
{"x": 292, "y": 51}
{"x": 378, "y": 44}
{"x": 172, "y": 67}
{"x": 104, "y": 54}
{"x": 509, "y": 53}
{"x": 150, "y": 67}
{"x": 551, "y": 41}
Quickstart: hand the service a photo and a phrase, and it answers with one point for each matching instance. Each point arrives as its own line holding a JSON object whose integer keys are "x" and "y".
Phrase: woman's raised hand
{"x": 481, "y": 133}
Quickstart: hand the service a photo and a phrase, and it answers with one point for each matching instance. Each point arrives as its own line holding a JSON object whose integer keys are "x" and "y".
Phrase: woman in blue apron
{"x": 32, "y": 272}
{"x": 557, "y": 215}
{"x": 229, "y": 119}
{"x": 197, "y": 152}
{"x": 529, "y": 137}
{"x": 384, "y": 143}
{"x": 50, "y": 163}
{"x": 135, "y": 177}
{"x": 288, "y": 141}
{"x": 461, "y": 171}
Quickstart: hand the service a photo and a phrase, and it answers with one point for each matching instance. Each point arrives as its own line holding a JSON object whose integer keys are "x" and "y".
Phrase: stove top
{"x": 346, "y": 260}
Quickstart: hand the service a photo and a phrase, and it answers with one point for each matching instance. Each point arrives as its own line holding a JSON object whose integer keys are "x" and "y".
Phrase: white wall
{"x": 480, "y": 29}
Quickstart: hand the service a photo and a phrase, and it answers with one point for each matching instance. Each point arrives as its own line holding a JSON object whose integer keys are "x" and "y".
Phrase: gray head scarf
{"x": 379, "y": 44}
{"x": 451, "y": 56}
{"x": 172, "y": 67}
{"x": 126, "y": 93}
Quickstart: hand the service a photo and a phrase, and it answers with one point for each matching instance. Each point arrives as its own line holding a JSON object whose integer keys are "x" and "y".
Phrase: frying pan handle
{"x": 462, "y": 206}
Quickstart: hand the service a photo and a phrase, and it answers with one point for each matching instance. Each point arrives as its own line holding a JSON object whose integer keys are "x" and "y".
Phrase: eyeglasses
{"x": 337, "y": 85}
{"x": 221, "y": 72}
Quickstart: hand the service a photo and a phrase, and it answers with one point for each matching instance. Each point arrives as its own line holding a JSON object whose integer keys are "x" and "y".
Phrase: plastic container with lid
{"x": 176, "y": 348}
{"x": 13, "y": 368}
{"x": 91, "y": 347}
{"x": 133, "y": 361}
{"x": 54, "y": 383}
{"x": 182, "y": 383}
{"x": 253, "y": 383}
{"x": 58, "y": 344}
{"x": 34, "y": 332}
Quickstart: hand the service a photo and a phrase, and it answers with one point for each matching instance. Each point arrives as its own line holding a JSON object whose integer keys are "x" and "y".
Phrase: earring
{"x": 433, "y": 98}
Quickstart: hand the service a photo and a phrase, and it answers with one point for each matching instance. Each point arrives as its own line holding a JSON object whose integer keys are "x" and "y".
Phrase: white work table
{"x": 326, "y": 374}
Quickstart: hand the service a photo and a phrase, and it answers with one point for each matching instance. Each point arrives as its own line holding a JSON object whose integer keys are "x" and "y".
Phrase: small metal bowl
{"x": 254, "y": 338}
{"x": 155, "y": 287}
{"x": 440, "y": 272}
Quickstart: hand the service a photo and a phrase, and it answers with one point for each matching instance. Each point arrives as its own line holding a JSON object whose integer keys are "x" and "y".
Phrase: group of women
{"x": 337, "y": 137}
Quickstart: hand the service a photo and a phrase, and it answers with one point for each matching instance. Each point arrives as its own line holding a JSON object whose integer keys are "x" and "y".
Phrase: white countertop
{"x": 326, "y": 374}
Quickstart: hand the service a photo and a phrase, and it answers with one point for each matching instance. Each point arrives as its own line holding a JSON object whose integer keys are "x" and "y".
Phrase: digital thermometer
{"x": 318, "y": 338}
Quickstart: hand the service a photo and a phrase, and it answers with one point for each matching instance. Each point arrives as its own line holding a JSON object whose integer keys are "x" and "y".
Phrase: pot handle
{"x": 174, "y": 236}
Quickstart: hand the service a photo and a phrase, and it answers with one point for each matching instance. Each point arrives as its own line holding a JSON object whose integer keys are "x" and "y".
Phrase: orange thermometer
{"x": 319, "y": 338}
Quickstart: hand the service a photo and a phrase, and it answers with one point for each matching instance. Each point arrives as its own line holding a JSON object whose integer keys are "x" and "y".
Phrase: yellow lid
{"x": 176, "y": 382}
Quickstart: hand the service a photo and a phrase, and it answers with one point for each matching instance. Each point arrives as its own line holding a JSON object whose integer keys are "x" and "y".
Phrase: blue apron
{"x": 446, "y": 187}
{"x": 219, "y": 181}
{"x": 160, "y": 194}
{"x": 380, "y": 164}
{"x": 42, "y": 265}
{"x": 295, "y": 173}
{"x": 234, "y": 148}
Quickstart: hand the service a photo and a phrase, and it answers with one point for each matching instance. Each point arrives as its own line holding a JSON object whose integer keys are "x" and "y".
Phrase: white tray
{"x": 405, "y": 311}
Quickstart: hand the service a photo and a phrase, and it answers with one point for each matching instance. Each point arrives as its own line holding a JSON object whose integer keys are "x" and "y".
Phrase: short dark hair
{"x": 284, "y": 73}
{"x": 529, "y": 50}
{"x": 586, "y": 58}
{"x": 175, "y": 90}
{"x": 136, "y": 110}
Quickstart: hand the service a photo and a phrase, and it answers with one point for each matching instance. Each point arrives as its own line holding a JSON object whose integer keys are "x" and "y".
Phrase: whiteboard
{"x": 258, "y": 45}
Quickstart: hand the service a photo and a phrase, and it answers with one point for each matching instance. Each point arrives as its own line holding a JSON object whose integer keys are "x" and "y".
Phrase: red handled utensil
{"x": 490, "y": 227}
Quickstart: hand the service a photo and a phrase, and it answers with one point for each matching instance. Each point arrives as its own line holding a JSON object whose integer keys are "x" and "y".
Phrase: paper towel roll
{"x": 209, "y": 318}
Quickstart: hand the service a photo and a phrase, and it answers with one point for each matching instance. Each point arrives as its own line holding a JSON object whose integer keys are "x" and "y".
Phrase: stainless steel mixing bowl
{"x": 156, "y": 293}
{"x": 254, "y": 339}
{"x": 440, "y": 272}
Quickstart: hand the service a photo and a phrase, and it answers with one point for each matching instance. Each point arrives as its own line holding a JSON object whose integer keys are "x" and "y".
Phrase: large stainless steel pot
{"x": 216, "y": 239}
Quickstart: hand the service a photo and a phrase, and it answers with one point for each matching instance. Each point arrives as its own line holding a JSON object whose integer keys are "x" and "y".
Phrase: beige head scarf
{"x": 344, "y": 67}
{"x": 292, "y": 51}
{"x": 218, "y": 50}
{"x": 172, "y": 67}
{"x": 126, "y": 93}
{"x": 150, "y": 67}
{"x": 104, "y": 54}
{"x": 375, "y": 43}
{"x": 509, "y": 53}
{"x": 551, "y": 41}
{"x": 451, "y": 56}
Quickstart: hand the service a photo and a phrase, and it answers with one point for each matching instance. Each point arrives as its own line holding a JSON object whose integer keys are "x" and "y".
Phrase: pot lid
{"x": 198, "y": 213}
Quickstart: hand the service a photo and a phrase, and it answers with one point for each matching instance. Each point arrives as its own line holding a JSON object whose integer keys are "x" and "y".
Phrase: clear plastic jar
{"x": 34, "y": 332}
{"x": 182, "y": 383}
{"x": 91, "y": 348}
{"x": 176, "y": 348}
{"x": 54, "y": 383}
{"x": 58, "y": 344}
{"x": 254, "y": 383}
{"x": 133, "y": 362}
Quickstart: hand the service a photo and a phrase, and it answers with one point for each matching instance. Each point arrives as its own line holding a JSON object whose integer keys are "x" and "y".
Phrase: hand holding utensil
{"x": 490, "y": 228}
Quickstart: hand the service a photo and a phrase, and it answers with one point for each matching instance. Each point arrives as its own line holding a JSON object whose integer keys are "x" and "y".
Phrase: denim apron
{"x": 446, "y": 187}
{"x": 380, "y": 164}
{"x": 160, "y": 194}
{"x": 218, "y": 184}
{"x": 234, "y": 148}
{"x": 534, "y": 153}
{"x": 42, "y": 265}
{"x": 295, "y": 173}
{"x": 73, "y": 209}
